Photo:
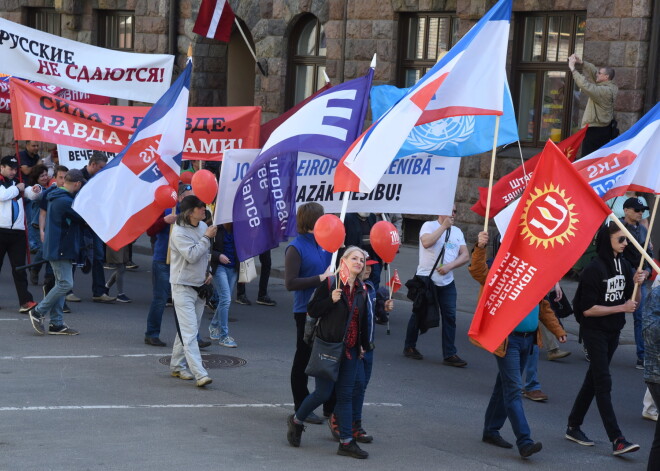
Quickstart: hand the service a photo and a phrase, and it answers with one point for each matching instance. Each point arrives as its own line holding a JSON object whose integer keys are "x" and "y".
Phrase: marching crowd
{"x": 195, "y": 265}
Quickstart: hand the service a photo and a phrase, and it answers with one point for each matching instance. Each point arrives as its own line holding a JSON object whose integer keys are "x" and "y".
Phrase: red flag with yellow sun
{"x": 554, "y": 222}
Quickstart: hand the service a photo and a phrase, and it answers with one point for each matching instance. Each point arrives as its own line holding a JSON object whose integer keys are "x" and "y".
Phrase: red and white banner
{"x": 43, "y": 57}
{"x": 214, "y": 20}
{"x": 42, "y": 116}
{"x": 555, "y": 221}
{"x": 5, "y": 101}
{"x": 510, "y": 186}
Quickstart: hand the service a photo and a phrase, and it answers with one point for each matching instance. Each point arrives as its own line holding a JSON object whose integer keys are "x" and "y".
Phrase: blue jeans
{"x": 361, "y": 382}
{"x": 446, "y": 296}
{"x": 531, "y": 370}
{"x": 506, "y": 400}
{"x": 345, "y": 390}
{"x": 53, "y": 303}
{"x": 637, "y": 319}
{"x": 161, "y": 290}
{"x": 224, "y": 280}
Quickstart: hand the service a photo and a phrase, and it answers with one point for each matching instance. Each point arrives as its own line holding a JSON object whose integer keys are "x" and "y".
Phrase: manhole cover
{"x": 212, "y": 361}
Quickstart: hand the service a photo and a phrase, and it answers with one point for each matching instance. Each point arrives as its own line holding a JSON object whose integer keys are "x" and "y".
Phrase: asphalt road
{"x": 102, "y": 400}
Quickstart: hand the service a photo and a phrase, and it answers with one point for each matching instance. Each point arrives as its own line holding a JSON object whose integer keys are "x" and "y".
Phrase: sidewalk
{"x": 406, "y": 263}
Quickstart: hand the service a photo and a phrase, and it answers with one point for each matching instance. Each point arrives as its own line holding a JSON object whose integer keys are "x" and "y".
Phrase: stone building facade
{"x": 620, "y": 33}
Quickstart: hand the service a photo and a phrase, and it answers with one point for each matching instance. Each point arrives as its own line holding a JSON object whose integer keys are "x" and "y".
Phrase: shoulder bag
{"x": 247, "y": 271}
{"x": 325, "y": 358}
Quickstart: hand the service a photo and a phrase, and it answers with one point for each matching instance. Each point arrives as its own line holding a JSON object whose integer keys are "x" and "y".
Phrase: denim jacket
{"x": 651, "y": 332}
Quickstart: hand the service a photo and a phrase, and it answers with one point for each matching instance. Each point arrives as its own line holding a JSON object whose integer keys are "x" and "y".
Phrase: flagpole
{"x": 632, "y": 240}
{"x": 247, "y": 43}
{"x": 389, "y": 277}
{"x": 492, "y": 172}
{"x": 646, "y": 242}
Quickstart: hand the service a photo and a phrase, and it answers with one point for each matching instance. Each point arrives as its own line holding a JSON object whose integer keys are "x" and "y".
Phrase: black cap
{"x": 634, "y": 203}
{"x": 9, "y": 161}
{"x": 191, "y": 202}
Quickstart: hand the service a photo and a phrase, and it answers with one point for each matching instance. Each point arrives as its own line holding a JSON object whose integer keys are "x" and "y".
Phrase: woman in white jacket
{"x": 190, "y": 244}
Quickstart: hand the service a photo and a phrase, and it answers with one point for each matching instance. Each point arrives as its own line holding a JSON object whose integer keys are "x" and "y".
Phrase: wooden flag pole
{"x": 632, "y": 240}
{"x": 492, "y": 172}
{"x": 247, "y": 43}
{"x": 646, "y": 242}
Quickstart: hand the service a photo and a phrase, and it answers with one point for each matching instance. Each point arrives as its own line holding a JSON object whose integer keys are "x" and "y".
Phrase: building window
{"x": 307, "y": 51}
{"x": 116, "y": 29}
{"x": 45, "y": 19}
{"x": 425, "y": 37}
{"x": 544, "y": 92}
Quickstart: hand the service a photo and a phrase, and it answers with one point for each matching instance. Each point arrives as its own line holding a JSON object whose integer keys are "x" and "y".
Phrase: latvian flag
{"x": 215, "y": 20}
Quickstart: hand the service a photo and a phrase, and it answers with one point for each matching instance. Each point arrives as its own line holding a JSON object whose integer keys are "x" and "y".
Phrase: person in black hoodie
{"x": 601, "y": 302}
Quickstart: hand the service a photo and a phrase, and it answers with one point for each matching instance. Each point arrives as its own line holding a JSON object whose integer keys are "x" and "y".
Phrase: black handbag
{"x": 325, "y": 358}
{"x": 421, "y": 291}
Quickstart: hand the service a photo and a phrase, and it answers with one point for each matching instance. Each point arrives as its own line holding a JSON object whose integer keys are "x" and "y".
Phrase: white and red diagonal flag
{"x": 214, "y": 20}
{"x": 119, "y": 202}
{"x": 468, "y": 80}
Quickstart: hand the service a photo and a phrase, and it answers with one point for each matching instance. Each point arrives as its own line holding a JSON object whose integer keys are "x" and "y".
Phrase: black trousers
{"x": 265, "y": 261}
{"x": 601, "y": 346}
{"x": 595, "y": 138}
{"x": 300, "y": 360}
{"x": 12, "y": 244}
{"x": 654, "y": 457}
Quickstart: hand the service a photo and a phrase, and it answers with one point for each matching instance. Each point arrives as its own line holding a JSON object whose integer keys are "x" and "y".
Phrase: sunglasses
{"x": 622, "y": 239}
{"x": 637, "y": 210}
{"x": 187, "y": 188}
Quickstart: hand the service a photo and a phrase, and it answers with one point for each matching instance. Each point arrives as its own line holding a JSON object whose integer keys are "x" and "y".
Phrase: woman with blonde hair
{"x": 342, "y": 312}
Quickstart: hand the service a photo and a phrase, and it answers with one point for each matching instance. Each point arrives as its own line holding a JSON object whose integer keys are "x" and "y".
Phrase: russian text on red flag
{"x": 119, "y": 202}
{"x": 554, "y": 223}
{"x": 510, "y": 187}
{"x": 214, "y": 20}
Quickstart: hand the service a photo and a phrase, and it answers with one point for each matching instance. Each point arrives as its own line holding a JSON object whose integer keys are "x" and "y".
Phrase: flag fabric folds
{"x": 215, "y": 20}
{"x": 458, "y": 136}
{"x": 118, "y": 203}
{"x": 629, "y": 162}
{"x": 556, "y": 220}
{"x": 264, "y": 206}
{"x": 511, "y": 185}
{"x": 394, "y": 283}
{"x": 468, "y": 80}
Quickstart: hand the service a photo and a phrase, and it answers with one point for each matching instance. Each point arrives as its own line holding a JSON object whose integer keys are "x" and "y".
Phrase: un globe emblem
{"x": 438, "y": 135}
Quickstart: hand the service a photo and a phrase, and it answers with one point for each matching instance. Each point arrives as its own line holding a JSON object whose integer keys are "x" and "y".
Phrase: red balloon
{"x": 186, "y": 177}
{"x": 204, "y": 185}
{"x": 165, "y": 196}
{"x": 329, "y": 232}
{"x": 385, "y": 240}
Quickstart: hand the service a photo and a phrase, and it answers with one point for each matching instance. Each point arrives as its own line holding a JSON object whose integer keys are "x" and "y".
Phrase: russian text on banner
{"x": 264, "y": 207}
{"x": 511, "y": 186}
{"x": 629, "y": 162}
{"x": 468, "y": 80}
{"x": 43, "y": 57}
{"x": 118, "y": 203}
{"x": 42, "y": 116}
{"x": 555, "y": 221}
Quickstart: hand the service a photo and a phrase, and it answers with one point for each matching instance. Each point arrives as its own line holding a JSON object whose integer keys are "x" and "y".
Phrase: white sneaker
{"x": 183, "y": 374}
{"x": 214, "y": 333}
{"x": 228, "y": 342}
{"x": 649, "y": 416}
{"x": 204, "y": 381}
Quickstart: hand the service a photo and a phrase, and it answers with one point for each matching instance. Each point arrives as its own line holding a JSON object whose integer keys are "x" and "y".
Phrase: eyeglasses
{"x": 622, "y": 239}
{"x": 187, "y": 188}
{"x": 637, "y": 210}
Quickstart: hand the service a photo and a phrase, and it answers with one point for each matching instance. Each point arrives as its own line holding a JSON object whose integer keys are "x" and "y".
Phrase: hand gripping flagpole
{"x": 646, "y": 242}
{"x": 247, "y": 43}
{"x": 347, "y": 194}
{"x": 632, "y": 240}
{"x": 492, "y": 172}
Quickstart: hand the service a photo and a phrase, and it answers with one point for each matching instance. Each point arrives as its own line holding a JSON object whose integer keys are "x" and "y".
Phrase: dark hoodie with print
{"x": 606, "y": 281}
